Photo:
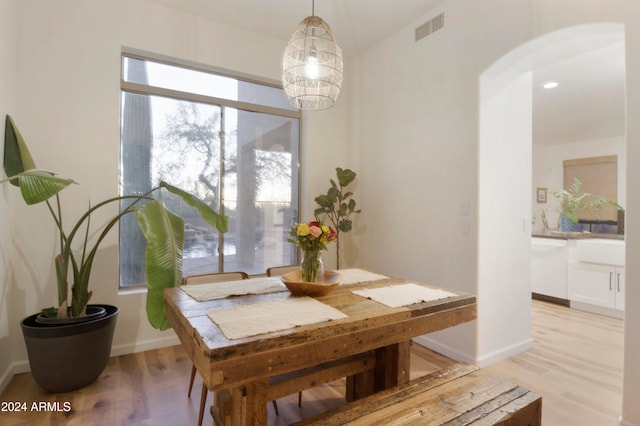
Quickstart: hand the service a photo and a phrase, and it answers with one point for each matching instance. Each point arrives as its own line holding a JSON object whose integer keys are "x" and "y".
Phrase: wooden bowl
{"x": 297, "y": 287}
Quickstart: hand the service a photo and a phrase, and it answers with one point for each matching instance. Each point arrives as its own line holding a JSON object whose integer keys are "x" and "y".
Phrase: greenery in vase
{"x": 312, "y": 238}
{"x": 571, "y": 201}
{"x": 163, "y": 230}
{"x": 338, "y": 205}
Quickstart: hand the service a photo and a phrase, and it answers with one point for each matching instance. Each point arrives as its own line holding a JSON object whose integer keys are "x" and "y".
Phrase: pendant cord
{"x": 313, "y": 7}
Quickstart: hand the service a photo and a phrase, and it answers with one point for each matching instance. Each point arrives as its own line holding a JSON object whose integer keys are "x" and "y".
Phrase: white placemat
{"x": 395, "y": 296}
{"x": 220, "y": 290}
{"x": 354, "y": 276}
{"x": 250, "y": 320}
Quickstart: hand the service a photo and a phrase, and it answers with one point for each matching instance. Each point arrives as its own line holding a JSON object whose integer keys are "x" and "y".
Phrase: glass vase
{"x": 311, "y": 267}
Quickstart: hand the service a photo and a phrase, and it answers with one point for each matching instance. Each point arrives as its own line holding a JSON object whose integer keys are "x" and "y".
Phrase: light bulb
{"x": 311, "y": 68}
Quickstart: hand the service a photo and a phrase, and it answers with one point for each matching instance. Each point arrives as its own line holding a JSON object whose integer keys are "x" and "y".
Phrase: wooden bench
{"x": 459, "y": 395}
{"x": 297, "y": 381}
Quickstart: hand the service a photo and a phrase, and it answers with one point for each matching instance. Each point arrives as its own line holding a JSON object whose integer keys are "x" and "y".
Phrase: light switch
{"x": 464, "y": 208}
{"x": 464, "y": 225}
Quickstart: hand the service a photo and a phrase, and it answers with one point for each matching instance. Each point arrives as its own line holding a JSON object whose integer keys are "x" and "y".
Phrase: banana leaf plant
{"x": 163, "y": 230}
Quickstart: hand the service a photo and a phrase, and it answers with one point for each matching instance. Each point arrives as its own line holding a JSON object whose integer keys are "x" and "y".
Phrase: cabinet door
{"x": 619, "y": 284}
{"x": 549, "y": 267}
{"x": 593, "y": 284}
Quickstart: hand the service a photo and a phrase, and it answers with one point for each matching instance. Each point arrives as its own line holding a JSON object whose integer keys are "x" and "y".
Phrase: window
{"x": 231, "y": 141}
{"x": 598, "y": 176}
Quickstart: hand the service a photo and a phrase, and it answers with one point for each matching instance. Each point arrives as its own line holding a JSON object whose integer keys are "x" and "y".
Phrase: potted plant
{"x": 63, "y": 339}
{"x": 338, "y": 206}
{"x": 571, "y": 201}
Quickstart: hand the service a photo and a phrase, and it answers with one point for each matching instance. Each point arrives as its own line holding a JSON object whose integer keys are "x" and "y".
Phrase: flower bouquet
{"x": 312, "y": 238}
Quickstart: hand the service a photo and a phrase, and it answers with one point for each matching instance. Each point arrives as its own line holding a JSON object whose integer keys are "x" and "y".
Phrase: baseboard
{"x": 595, "y": 309}
{"x": 145, "y": 345}
{"x": 551, "y": 299}
{"x": 623, "y": 422}
{"x": 6, "y": 377}
{"x": 20, "y": 367}
{"x": 12, "y": 370}
{"x": 504, "y": 353}
{"x": 480, "y": 361}
{"x": 446, "y": 350}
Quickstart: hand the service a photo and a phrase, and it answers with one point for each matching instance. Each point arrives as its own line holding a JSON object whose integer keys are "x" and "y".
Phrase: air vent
{"x": 431, "y": 26}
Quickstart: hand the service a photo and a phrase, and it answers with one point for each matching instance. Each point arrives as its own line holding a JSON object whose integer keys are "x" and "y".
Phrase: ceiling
{"x": 357, "y": 24}
{"x": 588, "y": 103}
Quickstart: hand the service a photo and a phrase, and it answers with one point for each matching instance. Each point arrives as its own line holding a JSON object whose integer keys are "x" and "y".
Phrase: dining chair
{"x": 278, "y": 271}
{"x": 208, "y": 279}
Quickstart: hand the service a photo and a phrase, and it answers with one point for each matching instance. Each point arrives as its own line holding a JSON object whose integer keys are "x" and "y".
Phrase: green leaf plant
{"x": 163, "y": 230}
{"x": 572, "y": 200}
{"x": 338, "y": 205}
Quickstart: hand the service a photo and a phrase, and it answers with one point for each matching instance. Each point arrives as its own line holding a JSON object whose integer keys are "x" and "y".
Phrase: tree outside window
{"x": 243, "y": 162}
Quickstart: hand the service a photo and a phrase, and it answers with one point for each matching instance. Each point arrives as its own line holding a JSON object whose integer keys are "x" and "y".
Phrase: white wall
{"x": 504, "y": 231}
{"x": 631, "y": 384}
{"x": 416, "y": 139}
{"x": 548, "y": 170}
{"x": 325, "y": 145}
{"x": 8, "y": 18}
{"x": 68, "y": 112}
{"x": 416, "y": 127}
{"x": 416, "y": 118}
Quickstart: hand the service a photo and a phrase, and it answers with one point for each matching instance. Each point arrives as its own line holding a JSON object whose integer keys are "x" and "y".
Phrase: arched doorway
{"x": 506, "y": 187}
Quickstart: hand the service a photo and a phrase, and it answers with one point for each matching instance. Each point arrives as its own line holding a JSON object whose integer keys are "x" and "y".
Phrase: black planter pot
{"x": 65, "y": 357}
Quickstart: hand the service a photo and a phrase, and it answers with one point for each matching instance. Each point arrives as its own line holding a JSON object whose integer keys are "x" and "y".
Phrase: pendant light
{"x": 312, "y": 65}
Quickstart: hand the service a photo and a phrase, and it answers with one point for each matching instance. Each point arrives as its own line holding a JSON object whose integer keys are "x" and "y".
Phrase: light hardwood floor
{"x": 576, "y": 365}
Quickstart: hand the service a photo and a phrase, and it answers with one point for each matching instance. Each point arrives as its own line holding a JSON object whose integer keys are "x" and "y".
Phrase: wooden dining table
{"x": 243, "y": 366}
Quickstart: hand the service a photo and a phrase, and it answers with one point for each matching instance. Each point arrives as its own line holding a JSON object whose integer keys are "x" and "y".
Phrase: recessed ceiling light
{"x": 550, "y": 85}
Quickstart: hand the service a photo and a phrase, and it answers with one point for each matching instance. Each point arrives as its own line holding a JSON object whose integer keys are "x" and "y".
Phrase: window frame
{"x": 192, "y": 97}
{"x": 222, "y": 103}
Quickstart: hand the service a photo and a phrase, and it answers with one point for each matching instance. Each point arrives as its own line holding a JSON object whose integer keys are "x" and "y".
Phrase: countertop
{"x": 575, "y": 235}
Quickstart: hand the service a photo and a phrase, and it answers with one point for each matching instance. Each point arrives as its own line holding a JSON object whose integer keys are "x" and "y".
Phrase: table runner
{"x": 260, "y": 285}
{"x": 250, "y": 320}
{"x": 395, "y": 296}
{"x": 354, "y": 276}
{"x": 221, "y": 290}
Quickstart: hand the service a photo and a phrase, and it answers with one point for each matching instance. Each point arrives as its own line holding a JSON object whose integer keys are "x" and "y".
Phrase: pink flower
{"x": 315, "y": 231}
{"x": 312, "y": 236}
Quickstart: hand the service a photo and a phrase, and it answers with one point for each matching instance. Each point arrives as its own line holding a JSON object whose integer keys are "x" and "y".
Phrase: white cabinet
{"x": 595, "y": 276}
{"x": 594, "y": 284}
{"x": 549, "y": 267}
{"x": 598, "y": 250}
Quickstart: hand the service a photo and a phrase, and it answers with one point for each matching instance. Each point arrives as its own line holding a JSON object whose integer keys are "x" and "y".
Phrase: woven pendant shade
{"x": 312, "y": 66}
